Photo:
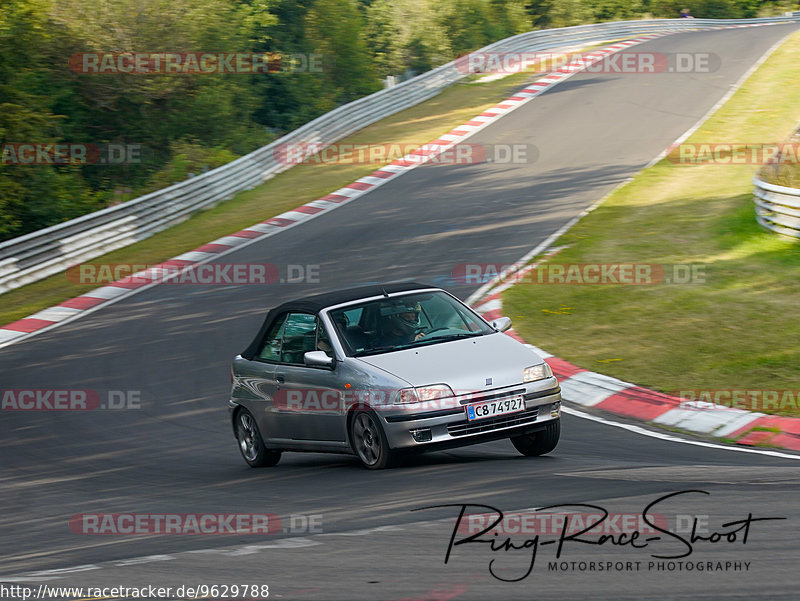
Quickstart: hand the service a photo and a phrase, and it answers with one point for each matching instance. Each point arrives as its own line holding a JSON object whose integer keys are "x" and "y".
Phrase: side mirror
{"x": 317, "y": 359}
{"x": 501, "y": 324}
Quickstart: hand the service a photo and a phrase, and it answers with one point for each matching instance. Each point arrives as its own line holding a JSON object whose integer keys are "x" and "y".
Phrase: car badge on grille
{"x": 488, "y": 381}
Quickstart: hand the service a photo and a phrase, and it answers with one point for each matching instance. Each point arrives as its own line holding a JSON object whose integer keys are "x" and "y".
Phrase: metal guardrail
{"x": 48, "y": 251}
{"x": 777, "y": 207}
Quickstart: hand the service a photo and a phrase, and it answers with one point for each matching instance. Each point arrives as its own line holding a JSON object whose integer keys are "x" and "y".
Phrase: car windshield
{"x": 405, "y": 321}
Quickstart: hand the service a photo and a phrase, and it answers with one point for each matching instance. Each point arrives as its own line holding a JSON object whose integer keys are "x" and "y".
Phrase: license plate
{"x": 493, "y": 408}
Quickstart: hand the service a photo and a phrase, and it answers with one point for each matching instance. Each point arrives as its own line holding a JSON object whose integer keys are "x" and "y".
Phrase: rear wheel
{"x": 251, "y": 444}
{"x": 369, "y": 441}
{"x": 539, "y": 443}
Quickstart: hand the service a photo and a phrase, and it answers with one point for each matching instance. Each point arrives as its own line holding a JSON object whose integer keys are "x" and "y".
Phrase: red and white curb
{"x": 77, "y": 307}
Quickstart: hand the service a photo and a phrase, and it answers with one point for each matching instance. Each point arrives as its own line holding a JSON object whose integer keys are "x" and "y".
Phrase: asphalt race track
{"x": 176, "y": 454}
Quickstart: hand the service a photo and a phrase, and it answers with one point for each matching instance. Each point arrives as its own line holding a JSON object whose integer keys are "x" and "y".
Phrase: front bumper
{"x": 436, "y": 427}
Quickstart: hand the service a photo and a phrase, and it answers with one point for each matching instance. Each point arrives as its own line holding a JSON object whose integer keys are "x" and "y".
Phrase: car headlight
{"x": 536, "y": 372}
{"x": 420, "y": 394}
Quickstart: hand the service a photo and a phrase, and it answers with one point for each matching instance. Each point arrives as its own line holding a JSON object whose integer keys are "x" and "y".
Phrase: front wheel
{"x": 251, "y": 444}
{"x": 369, "y": 441}
{"x": 539, "y": 443}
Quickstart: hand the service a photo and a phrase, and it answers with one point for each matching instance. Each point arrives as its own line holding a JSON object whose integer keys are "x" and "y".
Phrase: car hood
{"x": 464, "y": 365}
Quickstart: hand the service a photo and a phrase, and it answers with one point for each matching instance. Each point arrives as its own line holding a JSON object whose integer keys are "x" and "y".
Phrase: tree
{"x": 32, "y": 196}
{"x": 335, "y": 29}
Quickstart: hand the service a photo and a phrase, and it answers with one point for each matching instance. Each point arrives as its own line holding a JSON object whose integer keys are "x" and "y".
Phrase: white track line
{"x": 672, "y": 438}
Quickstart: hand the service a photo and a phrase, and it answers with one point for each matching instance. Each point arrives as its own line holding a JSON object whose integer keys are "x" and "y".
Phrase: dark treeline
{"x": 182, "y": 124}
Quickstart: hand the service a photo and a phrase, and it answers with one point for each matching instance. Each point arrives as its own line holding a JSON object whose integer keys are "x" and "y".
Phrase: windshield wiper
{"x": 445, "y": 338}
{"x": 376, "y": 350}
{"x": 455, "y": 336}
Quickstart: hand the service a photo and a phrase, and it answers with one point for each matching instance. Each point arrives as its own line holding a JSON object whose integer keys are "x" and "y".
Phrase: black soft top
{"x": 314, "y": 304}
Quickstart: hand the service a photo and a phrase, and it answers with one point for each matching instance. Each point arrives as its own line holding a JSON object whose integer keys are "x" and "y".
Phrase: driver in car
{"x": 400, "y": 324}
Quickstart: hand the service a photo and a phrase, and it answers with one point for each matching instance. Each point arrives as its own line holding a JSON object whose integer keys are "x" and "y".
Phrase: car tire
{"x": 251, "y": 445}
{"x": 539, "y": 443}
{"x": 369, "y": 441}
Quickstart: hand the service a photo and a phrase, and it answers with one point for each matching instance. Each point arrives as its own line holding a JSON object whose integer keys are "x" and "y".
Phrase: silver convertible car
{"x": 380, "y": 371}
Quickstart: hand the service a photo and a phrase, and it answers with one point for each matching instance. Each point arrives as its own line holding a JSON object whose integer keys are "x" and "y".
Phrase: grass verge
{"x": 738, "y": 329}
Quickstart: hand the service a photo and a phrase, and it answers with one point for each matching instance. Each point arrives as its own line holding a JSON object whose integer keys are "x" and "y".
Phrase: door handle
{"x": 280, "y": 378}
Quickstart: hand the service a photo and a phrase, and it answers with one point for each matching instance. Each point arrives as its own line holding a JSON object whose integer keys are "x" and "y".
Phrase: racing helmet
{"x": 403, "y": 315}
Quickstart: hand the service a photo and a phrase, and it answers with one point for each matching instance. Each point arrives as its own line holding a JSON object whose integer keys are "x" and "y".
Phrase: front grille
{"x": 493, "y": 423}
{"x": 482, "y": 397}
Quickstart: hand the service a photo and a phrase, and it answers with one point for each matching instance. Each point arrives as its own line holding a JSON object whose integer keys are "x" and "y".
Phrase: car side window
{"x": 299, "y": 337}
{"x": 272, "y": 345}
